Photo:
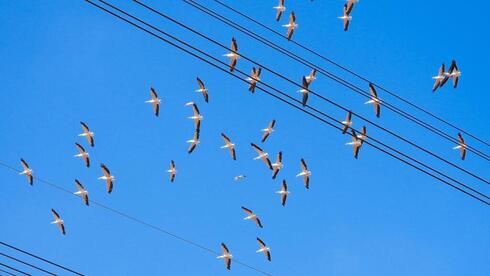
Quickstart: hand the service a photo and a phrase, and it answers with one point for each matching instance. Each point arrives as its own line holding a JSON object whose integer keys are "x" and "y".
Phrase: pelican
{"x": 304, "y": 90}
{"x": 107, "y": 177}
{"x": 229, "y": 145}
{"x": 87, "y": 133}
{"x": 356, "y": 143}
{"x": 347, "y": 123}
{"x": 454, "y": 73}
{"x": 233, "y": 55}
{"x": 311, "y": 77}
{"x": 283, "y": 192}
{"x": 280, "y": 9}
{"x": 264, "y": 156}
{"x": 461, "y": 146}
{"x": 276, "y": 167}
{"x": 254, "y": 79}
{"x": 193, "y": 142}
{"x": 374, "y": 100}
{"x": 202, "y": 89}
{"x": 226, "y": 256}
{"x": 58, "y": 221}
{"x": 251, "y": 215}
{"x": 83, "y": 154}
{"x": 172, "y": 171}
{"x": 305, "y": 173}
{"x": 197, "y": 117}
{"x": 28, "y": 172}
{"x": 346, "y": 17}
{"x": 291, "y": 25}
{"x": 362, "y": 136}
{"x": 267, "y": 131}
{"x": 239, "y": 177}
{"x": 155, "y": 101}
{"x": 440, "y": 79}
{"x": 264, "y": 249}
{"x": 81, "y": 192}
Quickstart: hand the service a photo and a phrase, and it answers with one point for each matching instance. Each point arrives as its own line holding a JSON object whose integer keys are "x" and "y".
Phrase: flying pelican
{"x": 202, "y": 89}
{"x": 83, "y": 154}
{"x": 291, "y": 25}
{"x": 58, "y": 221}
{"x": 264, "y": 156}
{"x": 239, "y": 177}
{"x": 226, "y": 256}
{"x": 304, "y": 90}
{"x": 356, "y": 143}
{"x": 155, "y": 101}
{"x": 251, "y": 215}
{"x": 107, "y": 177}
{"x": 280, "y": 9}
{"x": 347, "y": 123}
{"x": 254, "y": 79}
{"x": 233, "y": 55}
{"x": 197, "y": 117}
{"x": 461, "y": 146}
{"x": 276, "y": 167}
{"x": 28, "y": 172}
{"x": 454, "y": 73}
{"x": 172, "y": 171}
{"x": 346, "y": 17}
{"x": 440, "y": 79}
{"x": 305, "y": 173}
{"x": 362, "y": 136}
{"x": 193, "y": 142}
{"x": 263, "y": 248}
{"x": 229, "y": 145}
{"x": 81, "y": 192}
{"x": 283, "y": 192}
{"x": 311, "y": 77}
{"x": 374, "y": 100}
{"x": 87, "y": 133}
{"x": 267, "y": 131}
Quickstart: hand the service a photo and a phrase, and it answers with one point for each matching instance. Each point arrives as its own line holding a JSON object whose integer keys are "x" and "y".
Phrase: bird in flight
{"x": 264, "y": 249}
{"x": 28, "y": 172}
{"x": 280, "y": 9}
{"x": 291, "y": 25}
{"x": 461, "y": 146}
{"x": 311, "y": 77}
{"x": 254, "y": 78}
{"x": 356, "y": 143}
{"x": 346, "y": 16}
{"x": 267, "y": 131}
{"x": 277, "y": 166}
{"x": 283, "y": 192}
{"x": 264, "y": 156}
{"x": 374, "y": 100}
{"x": 155, "y": 101}
{"x": 347, "y": 123}
{"x": 454, "y": 73}
{"x": 197, "y": 117}
{"x": 252, "y": 216}
{"x": 305, "y": 173}
{"x": 194, "y": 141}
{"x": 87, "y": 133}
{"x": 226, "y": 256}
{"x": 107, "y": 177}
{"x": 239, "y": 177}
{"x": 83, "y": 154}
{"x": 81, "y": 192}
{"x": 58, "y": 221}
{"x": 304, "y": 90}
{"x": 233, "y": 54}
{"x": 440, "y": 79}
{"x": 172, "y": 171}
{"x": 229, "y": 145}
{"x": 202, "y": 89}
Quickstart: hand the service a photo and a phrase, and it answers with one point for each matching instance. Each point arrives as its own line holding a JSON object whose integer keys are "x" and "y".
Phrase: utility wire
{"x": 283, "y": 100}
{"x": 14, "y": 269}
{"x": 4, "y": 271}
{"x": 352, "y": 72}
{"x": 26, "y": 263}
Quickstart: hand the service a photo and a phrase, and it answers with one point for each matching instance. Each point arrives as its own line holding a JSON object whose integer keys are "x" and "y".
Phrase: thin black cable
{"x": 277, "y": 97}
{"x": 26, "y": 263}
{"x": 353, "y": 73}
{"x": 332, "y": 76}
{"x": 15, "y": 269}
{"x": 9, "y": 273}
{"x": 28, "y": 253}
{"x": 324, "y": 98}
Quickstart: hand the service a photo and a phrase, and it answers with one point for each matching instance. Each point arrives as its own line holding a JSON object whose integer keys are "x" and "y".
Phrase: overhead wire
{"x": 27, "y": 264}
{"x": 14, "y": 269}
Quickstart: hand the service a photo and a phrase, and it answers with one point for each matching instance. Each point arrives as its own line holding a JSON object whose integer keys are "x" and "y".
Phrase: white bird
{"x": 440, "y": 79}
{"x": 280, "y": 9}
{"x": 229, "y": 145}
{"x": 233, "y": 55}
{"x": 226, "y": 256}
{"x": 155, "y": 101}
{"x": 25, "y": 170}
{"x": 264, "y": 156}
{"x": 239, "y": 177}
{"x": 81, "y": 192}
{"x": 347, "y": 123}
{"x": 194, "y": 141}
{"x": 252, "y": 216}
{"x": 267, "y": 131}
{"x": 277, "y": 166}
{"x": 356, "y": 143}
{"x": 305, "y": 173}
{"x": 311, "y": 77}
{"x": 346, "y": 16}
{"x": 172, "y": 171}
{"x": 454, "y": 73}
{"x": 254, "y": 78}
{"x": 461, "y": 146}
{"x": 304, "y": 90}
{"x": 83, "y": 154}
{"x": 197, "y": 117}
{"x": 107, "y": 177}
{"x": 202, "y": 89}
{"x": 58, "y": 221}
{"x": 374, "y": 100}
{"x": 283, "y": 192}
{"x": 87, "y": 133}
{"x": 291, "y": 25}
{"x": 264, "y": 249}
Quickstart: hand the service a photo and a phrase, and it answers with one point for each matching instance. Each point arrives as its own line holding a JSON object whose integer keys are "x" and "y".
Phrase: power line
{"x": 4, "y": 271}
{"x": 283, "y": 100}
{"x": 332, "y": 76}
{"x": 324, "y": 98}
{"x": 14, "y": 269}
{"x": 26, "y": 263}
{"x": 353, "y": 73}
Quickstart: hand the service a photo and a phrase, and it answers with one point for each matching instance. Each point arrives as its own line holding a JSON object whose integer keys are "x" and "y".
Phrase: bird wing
{"x": 304, "y": 167}
{"x": 460, "y": 138}
{"x": 153, "y": 94}
{"x": 377, "y": 108}
{"x": 24, "y": 164}
{"x": 373, "y": 92}
{"x": 267, "y": 161}
{"x": 80, "y": 148}
{"x": 248, "y": 211}
{"x": 105, "y": 170}
{"x": 261, "y": 243}
{"x": 55, "y": 214}
{"x": 84, "y": 127}
{"x": 257, "y": 149}
{"x": 257, "y": 221}
{"x": 234, "y": 45}
{"x": 79, "y": 186}
{"x": 201, "y": 84}
{"x": 272, "y": 124}
{"x": 278, "y": 14}
{"x": 290, "y": 32}
{"x": 62, "y": 227}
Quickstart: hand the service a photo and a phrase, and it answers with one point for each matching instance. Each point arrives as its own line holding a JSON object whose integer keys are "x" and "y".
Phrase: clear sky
{"x": 64, "y": 62}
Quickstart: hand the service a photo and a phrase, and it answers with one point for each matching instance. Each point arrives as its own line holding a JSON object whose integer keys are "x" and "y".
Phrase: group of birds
{"x": 443, "y": 76}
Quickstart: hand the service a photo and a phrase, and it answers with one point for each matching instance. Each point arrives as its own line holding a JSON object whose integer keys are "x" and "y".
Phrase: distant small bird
{"x": 226, "y": 256}
{"x": 87, "y": 133}
{"x": 454, "y": 73}
{"x": 81, "y": 192}
{"x": 305, "y": 173}
{"x": 283, "y": 192}
{"x": 197, "y": 117}
{"x": 233, "y": 55}
{"x": 291, "y": 25}
{"x": 267, "y": 131}
{"x": 202, "y": 89}
{"x": 107, "y": 177}
{"x": 347, "y": 123}
{"x": 277, "y": 166}
{"x": 374, "y": 100}
{"x": 461, "y": 146}
{"x": 239, "y": 177}
{"x": 28, "y": 172}
{"x": 83, "y": 154}
{"x": 280, "y": 9}
{"x": 264, "y": 156}
{"x": 356, "y": 143}
{"x": 229, "y": 145}
{"x": 264, "y": 249}
{"x": 252, "y": 216}
{"x": 172, "y": 171}
{"x": 194, "y": 141}
{"x": 346, "y": 16}
{"x": 58, "y": 221}
{"x": 304, "y": 90}
{"x": 254, "y": 78}
{"x": 155, "y": 101}
{"x": 311, "y": 77}
{"x": 440, "y": 79}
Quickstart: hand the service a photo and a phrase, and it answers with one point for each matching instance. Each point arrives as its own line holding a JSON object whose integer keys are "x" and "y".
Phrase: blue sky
{"x": 64, "y": 61}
